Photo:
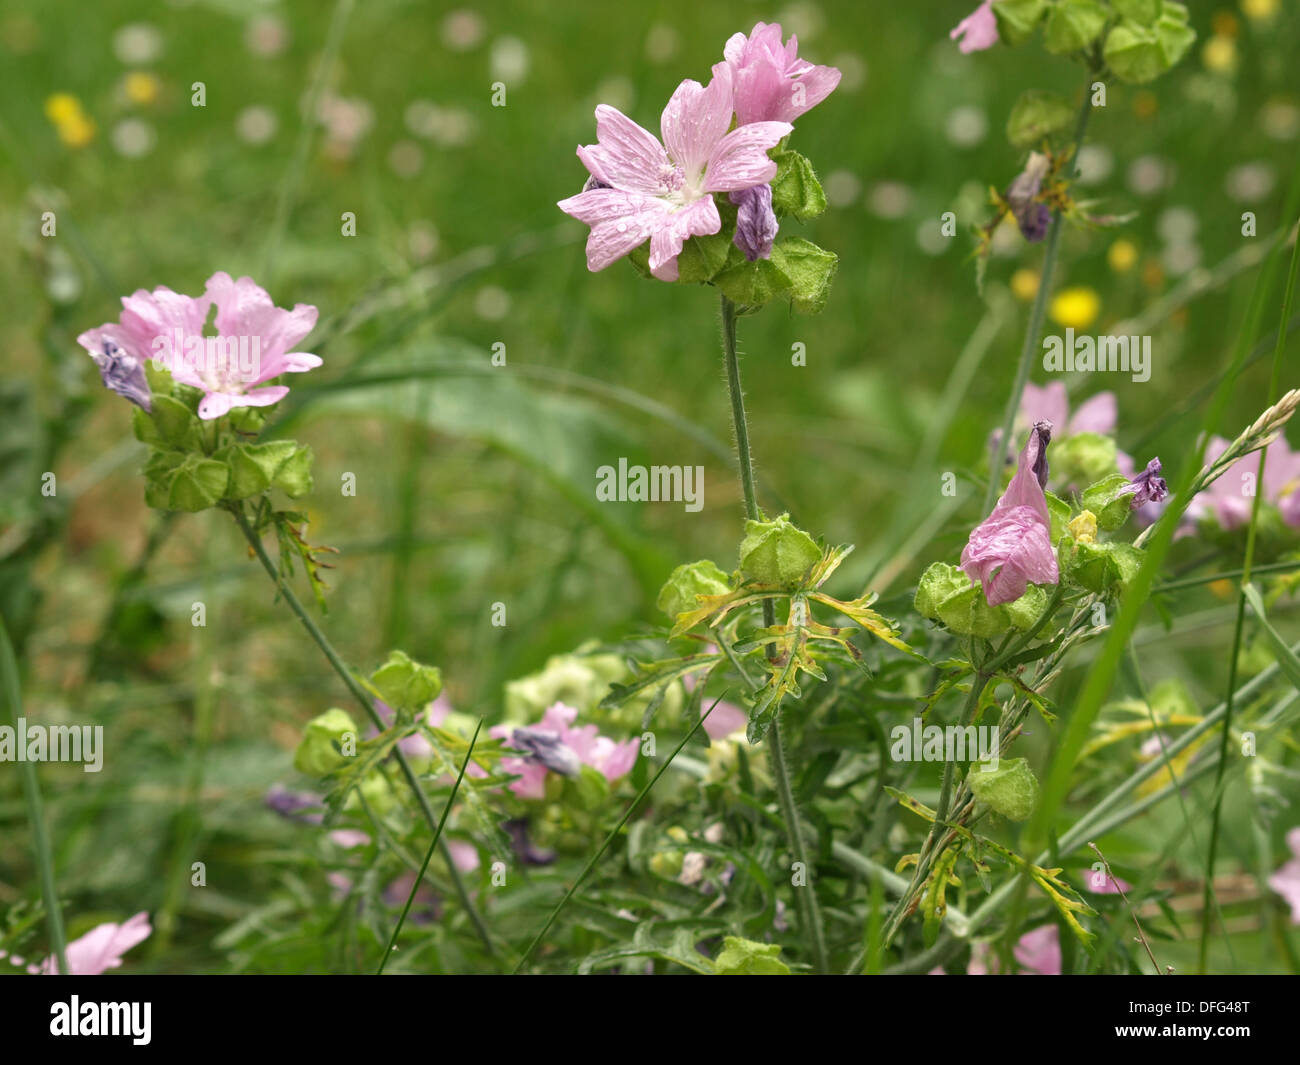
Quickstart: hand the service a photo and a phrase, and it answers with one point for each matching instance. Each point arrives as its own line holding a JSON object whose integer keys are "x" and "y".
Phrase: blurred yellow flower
{"x": 1122, "y": 256}
{"x": 141, "y": 88}
{"x": 77, "y": 132}
{"x": 62, "y": 107}
{"x": 1075, "y": 308}
{"x": 1261, "y": 9}
{"x": 1220, "y": 54}
{"x": 1224, "y": 589}
{"x": 1152, "y": 275}
{"x": 1024, "y": 285}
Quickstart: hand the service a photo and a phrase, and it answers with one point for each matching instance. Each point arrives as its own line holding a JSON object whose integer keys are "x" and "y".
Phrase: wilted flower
{"x": 1031, "y": 215}
{"x": 554, "y": 742}
{"x": 122, "y": 373}
{"x": 1148, "y": 486}
{"x": 664, "y": 194}
{"x": 978, "y": 30}
{"x": 1012, "y": 547}
{"x": 771, "y": 83}
{"x": 101, "y": 948}
{"x": 756, "y": 223}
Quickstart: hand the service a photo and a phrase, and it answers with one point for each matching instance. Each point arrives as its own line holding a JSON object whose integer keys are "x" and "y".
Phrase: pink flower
{"x": 770, "y": 82}
{"x": 1050, "y": 403}
{"x": 725, "y": 719}
{"x": 978, "y": 30}
{"x": 253, "y": 345}
{"x": 101, "y": 948}
{"x": 1038, "y": 953}
{"x": 642, "y": 190}
{"x": 1012, "y": 547}
{"x": 1231, "y": 497}
{"x": 555, "y": 745}
{"x": 1286, "y": 881}
{"x": 1102, "y": 883}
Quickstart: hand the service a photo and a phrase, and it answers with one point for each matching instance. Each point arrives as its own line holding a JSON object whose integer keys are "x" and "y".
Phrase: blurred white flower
{"x": 266, "y": 35}
{"x": 492, "y": 303}
{"x": 966, "y": 126}
{"x": 256, "y": 124}
{"x": 1096, "y": 162}
{"x": 1250, "y": 182}
{"x": 133, "y": 138}
{"x": 137, "y": 43}
{"x": 889, "y": 199}
{"x": 508, "y": 61}
{"x": 842, "y": 188}
{"x": 462, "y": 30}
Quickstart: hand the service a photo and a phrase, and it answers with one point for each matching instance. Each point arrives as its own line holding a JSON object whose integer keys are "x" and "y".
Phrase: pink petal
{"x": 620, "y": 222}
{"x": 740, "y": 160}
{"x": 695, "y": 120}
{"x": 626, "y": 156}
{"x": 245, "y": 309}
{"x": 1045, "y": 404}
{"x": 696, "y": 219}
{"x": 1039, "y": 951}
{"x": 102, "y": 947}
{"x": 1098, "y": 415}
{"x": 725, "y": 719}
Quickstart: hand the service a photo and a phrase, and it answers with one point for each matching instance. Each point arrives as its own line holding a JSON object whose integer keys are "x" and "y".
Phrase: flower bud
{"x": 317, "y": 754}
{"x": 687, "y": 583}
{"x": 1010, "y": 790}
{"x": 777, "y": 551}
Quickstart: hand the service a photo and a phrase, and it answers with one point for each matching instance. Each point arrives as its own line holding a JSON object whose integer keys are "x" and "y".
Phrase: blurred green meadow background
{"x": 474, "y": 483}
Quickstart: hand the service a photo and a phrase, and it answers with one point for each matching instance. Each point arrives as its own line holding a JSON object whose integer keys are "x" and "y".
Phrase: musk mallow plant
{"x": 807, "y": 794}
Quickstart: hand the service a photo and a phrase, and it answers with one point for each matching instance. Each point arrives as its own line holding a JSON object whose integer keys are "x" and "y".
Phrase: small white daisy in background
{"x": 1096, "y": 163}
{"x": 1250, "y": 182}
{"x": 889, "y": 199}
{"x": 1149, "y": 175}
{"x": 133, "y": 138}
{"x": 266, "y": 35}
{"x": 508, "y": 60}
{"x": 842, "y": 188}
{"x": 422, "y": 240}
{"x": 462, "y": 30}
{"x": 966, "y": 126}
{"x": 137, "y": 43}
{"x": 492, "y": 303}
{"x": 256, "y": 124}
{"x": 406, "y": 159}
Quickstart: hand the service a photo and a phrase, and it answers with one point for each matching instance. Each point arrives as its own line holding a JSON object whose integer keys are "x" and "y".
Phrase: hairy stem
{"x": 368, "y": 705}
{"x": 810, "y": 912}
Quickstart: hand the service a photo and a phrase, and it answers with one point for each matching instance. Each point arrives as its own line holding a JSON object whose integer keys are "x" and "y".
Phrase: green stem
{"x": 926, "y": 858}
{"x": 809, "y": 910}
{"x": 428, "y": 855}
{"x": 35, "y": 811}
{"x": 367, "y": 704}
{"x": 1004, "y": 442}
{"x": 1202, "y": 953}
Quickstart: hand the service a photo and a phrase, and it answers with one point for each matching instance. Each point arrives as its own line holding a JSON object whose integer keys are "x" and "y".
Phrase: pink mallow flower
{"x": 1049, "y": 403}
{"x": 101, "y": 948}
{"x": 1012, "y": 547}
{"x": 554, "y": 745}
{"x": 644, "y": 190}
{"x": 1286, "y": 881}
{"x": 1231, "y": 497}
{"x": 1037, "y": 953}
{"x": 254, "y": 343}
{"x": 978, "y": 30}
{"x": 770, "y": 83}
